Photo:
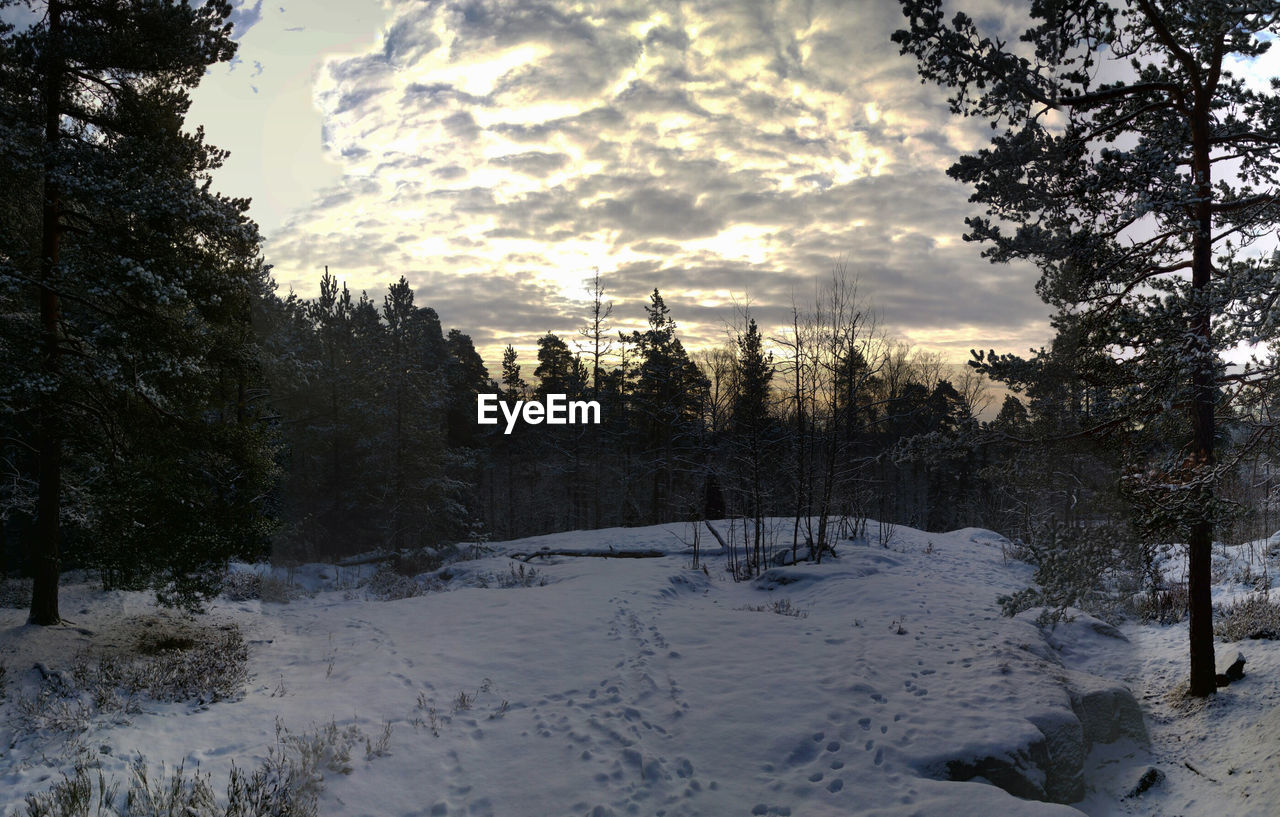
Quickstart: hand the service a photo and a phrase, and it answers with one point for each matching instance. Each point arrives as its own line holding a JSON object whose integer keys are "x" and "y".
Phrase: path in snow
{"x": 631, "y": 686}
{"x": 1219, "y": 756}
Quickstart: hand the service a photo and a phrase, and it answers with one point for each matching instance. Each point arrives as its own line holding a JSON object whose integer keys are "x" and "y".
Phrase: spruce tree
{"x": 1137, "y": 196}
{"x": 667, "y": 395}
{"x": 514, "y": 388}
{"x": 751, "y": 428}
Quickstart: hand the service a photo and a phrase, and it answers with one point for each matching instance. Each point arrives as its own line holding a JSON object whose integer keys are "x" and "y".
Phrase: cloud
{"x": 495, "y": 152}
{"x": 244, "y": 17}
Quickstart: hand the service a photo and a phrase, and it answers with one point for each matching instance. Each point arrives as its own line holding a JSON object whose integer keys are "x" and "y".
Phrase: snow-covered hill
{"x": 884, "y": 682}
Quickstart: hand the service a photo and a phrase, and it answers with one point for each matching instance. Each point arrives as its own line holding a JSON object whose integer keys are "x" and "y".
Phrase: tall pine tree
{"x": 127, "y": 290}
{"x": 1137, "y": 198}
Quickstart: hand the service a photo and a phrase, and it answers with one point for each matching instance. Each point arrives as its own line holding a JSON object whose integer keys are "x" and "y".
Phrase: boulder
{"x": 1151, "y": 777}
{"x": 1234, "y": 672}
{"x": 1107, "y": 709}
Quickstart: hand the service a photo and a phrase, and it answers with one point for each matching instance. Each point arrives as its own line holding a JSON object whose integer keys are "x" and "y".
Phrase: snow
{"x": 645, "y": 686}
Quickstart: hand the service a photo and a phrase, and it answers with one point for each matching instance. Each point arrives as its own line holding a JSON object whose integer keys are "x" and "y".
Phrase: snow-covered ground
{"x": 873, "y": 684}
{"x": 1218, "y": 756}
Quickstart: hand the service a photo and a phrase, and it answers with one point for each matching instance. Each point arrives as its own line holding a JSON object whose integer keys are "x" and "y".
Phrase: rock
{"x": 1107, "y": 709}
{"x": 1066, "y": 748}
{"x": 1151, "y": 777}
{"x": 1021, "y": 772}
{"x": 1043, "y": 758}
{"x": 1235, "y": 672}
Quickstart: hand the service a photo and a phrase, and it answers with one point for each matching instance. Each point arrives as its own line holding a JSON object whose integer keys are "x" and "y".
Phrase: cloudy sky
{"x": 495, "y": 152}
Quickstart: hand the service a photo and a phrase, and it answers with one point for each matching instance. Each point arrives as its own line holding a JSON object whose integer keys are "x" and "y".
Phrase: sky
{"x": 495, "y": 153}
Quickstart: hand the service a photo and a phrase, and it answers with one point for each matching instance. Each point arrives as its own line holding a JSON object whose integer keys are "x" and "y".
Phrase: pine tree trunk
{"x": 45, "y": 550}
{"x": 1200, "y": 544}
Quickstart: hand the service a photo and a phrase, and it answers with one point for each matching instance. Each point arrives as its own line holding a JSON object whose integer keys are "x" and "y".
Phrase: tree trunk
{"x": 45, "y": 548}
{"x": 1200, "y": 542}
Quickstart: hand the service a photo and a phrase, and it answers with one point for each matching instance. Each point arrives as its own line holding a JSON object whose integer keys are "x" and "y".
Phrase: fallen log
{"x": 601, "y": 554}
{"x": 356, "y": 561}
{"x": 724, "y": 547}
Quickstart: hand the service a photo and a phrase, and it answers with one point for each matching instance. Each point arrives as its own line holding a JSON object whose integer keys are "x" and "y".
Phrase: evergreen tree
{"x": 751, "y": 427}
{"x": 559, "y": 370}
{"x": 467, "y": 377}
{"x": 668, "y": 394}
{"x": 126, "y": 298}
{"x": 513, "y": 386}
{"x": 1136, "y": 197}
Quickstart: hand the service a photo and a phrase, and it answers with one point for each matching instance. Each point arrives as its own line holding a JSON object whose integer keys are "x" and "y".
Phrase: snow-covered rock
{"x": 1107, "y": 710}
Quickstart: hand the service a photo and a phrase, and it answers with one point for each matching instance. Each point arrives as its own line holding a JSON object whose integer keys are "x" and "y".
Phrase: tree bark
{"x": 1200, "y": 541}
{"x": 46, "y": 556}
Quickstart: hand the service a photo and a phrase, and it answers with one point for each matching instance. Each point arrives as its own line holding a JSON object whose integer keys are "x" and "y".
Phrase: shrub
{"x": 1020, "y": 601}
{"x": 242, "y": 586}
{"x": 278, "y": 591}
{"x": 388, "y": 585}
{"x": 287, "y": 784}
{"x": 1096, "y": 568}
{"x": 1164, "y": 605}
{"x": 178, "y": 795}
{"x": 168, "y": 664}
{"x": 76, "y": 795}
{"x": 1254, "y": 616}
{"x": 782, "y": 607}
{"x": 423, "y": 560}
{"x": 522, "y": 576}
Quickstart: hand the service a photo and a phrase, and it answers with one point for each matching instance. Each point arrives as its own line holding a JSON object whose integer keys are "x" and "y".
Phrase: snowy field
{"x": 884, "y": 682}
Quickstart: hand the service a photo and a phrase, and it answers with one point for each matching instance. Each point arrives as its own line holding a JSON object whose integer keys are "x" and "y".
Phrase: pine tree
{"x": 1137, "y": 198}
{"x": 127, "y": 298}
{"x": 596, "y": 332}
{"x": 559, "y": 370}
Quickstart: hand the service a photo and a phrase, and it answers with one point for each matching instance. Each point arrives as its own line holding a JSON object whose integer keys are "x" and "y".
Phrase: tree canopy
{"x": 1136, "y": 170}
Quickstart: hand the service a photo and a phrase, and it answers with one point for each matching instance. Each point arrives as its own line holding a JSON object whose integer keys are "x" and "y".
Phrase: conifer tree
{"x": 668, "y": 394}
{"x": 751, "y": 426}
{"x": 1137, "y": 196}
{"x": 559, "y": 370}
{"x": 127, "y": 297}
{"x": 514, "y": 388}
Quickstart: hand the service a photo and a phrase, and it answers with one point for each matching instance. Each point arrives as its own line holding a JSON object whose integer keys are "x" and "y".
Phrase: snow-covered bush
{"x": 388, "y": 585}
{"x": 782, "y": 607}
{"x": 423, "y": 560}
{"x": 1020, "y": 601}
{"x": 1097, "y": 568}
{"x": 287, "y": 784}
{"x": 203, "y": 664}
{"x": 50, "y": 713}
{"x": 242, "y": 585}
{"x": 1164, "y": 605}
{"x": 212, "y": 668}
{"x": 514, "y": 577}
{"x": 279, "y": 591}
{"x": 1254, "y": 616}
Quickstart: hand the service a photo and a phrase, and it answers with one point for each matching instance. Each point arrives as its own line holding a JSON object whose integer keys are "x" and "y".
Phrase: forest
{"x": 165, "y": 409}
{"x": 229, "y": 484}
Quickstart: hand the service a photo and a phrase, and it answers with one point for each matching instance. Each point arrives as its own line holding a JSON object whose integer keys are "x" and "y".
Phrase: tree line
{"x": 829, "y": 423}
{"x": 163, "y": 410}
